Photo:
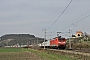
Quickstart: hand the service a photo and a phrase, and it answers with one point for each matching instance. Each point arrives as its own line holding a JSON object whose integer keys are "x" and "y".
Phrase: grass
{"x": 11, "y": 52}
{"x": 50, "y": 56}
{"x": 26, "y": 54}
{"x": 16, "y": 54}
{"x": 10, "y": 49}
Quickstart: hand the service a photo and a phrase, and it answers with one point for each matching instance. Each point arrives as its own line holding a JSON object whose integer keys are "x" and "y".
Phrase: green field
{"x": 29, "y": 54}
{"x": 10, "y": 49}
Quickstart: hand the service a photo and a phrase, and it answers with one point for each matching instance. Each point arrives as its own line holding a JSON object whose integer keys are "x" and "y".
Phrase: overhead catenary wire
{"x": 86, "y": 28}
{"x": 78, "y": 21}
{"x": 82, "y": 19}
{"x": 75, "y": 19}
{"x": 60, "y": 14}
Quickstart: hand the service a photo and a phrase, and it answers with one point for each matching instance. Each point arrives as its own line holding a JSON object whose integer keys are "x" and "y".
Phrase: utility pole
{"x": 37, "y": 40}
{"x": 69, "y": 39}
{"x": 44, "y": 37}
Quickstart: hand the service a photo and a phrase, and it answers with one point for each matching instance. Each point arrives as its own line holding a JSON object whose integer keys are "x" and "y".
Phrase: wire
{"x": 82, "y": 18}
{"x": 78, "y": 21}
{"x": 60, "y": 14}
{"x": 86, "y": 29}
{"x": 78, "y": 18}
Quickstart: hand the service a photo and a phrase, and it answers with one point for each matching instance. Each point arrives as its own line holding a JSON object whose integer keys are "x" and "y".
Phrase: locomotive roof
{"x": 59, "y": 37}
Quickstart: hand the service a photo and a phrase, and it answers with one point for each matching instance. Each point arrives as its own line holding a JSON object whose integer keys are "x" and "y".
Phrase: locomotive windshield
{"x": 61, "y": 38}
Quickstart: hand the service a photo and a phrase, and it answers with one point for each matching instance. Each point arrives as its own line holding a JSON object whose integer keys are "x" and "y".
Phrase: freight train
{"x": 57, "y": 42}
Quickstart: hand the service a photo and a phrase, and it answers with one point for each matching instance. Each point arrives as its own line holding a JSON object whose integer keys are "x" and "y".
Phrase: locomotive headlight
{"x": 64, "y": 42}
{"x": 59, "y": 42}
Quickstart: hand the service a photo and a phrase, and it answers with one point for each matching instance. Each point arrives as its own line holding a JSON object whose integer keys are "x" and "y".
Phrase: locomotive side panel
{"x": 54, "y": 42}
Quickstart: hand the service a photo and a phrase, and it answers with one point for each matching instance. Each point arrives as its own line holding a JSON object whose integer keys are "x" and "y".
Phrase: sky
{"x": 33, "y": 16}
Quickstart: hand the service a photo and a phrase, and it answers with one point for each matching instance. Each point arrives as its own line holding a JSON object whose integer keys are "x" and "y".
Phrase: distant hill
{"x": 21, "y": 39}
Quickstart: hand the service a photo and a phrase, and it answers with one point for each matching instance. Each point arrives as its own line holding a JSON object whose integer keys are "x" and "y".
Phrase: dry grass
{"x": 18, "y": 56}
{"x": 29, "y": 54}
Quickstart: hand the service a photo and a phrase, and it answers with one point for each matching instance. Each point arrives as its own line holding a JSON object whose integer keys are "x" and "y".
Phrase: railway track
{"x": 74, "y": 51}
{"x": 77, "y": 52}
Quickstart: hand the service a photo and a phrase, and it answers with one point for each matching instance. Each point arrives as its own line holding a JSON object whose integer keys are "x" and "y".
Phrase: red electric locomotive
{"x": 58, "y": 42}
